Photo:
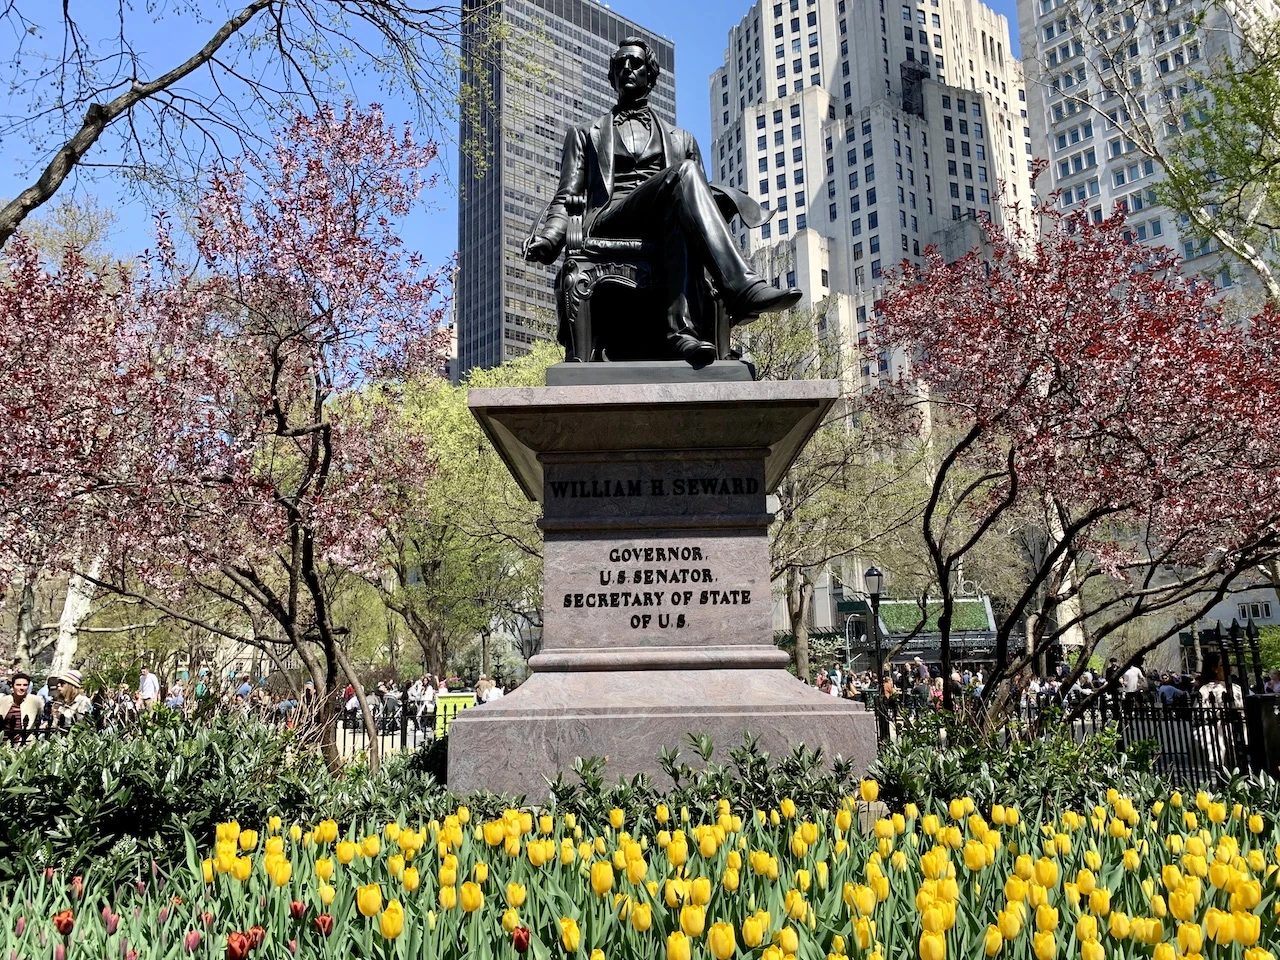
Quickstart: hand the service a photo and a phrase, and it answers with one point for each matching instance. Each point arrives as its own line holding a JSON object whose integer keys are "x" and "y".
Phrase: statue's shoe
{"x": 697, "y": 353}
{"x": 761, "y": 297}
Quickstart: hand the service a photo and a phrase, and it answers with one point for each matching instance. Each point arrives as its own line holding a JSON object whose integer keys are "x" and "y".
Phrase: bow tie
{"x": 640, "y": 114}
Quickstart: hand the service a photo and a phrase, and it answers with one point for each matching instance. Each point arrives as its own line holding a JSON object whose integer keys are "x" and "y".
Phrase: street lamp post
{"x": 874, "y": 580}
{"x": 848, "y": 661}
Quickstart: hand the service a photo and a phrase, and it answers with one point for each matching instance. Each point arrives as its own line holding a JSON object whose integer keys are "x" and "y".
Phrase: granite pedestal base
{"x": 657, "y": 604}
{"x": 515, "y": 744}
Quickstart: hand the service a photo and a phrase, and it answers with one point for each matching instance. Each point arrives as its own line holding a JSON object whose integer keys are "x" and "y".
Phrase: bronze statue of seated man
{"x": 638, "y": 178}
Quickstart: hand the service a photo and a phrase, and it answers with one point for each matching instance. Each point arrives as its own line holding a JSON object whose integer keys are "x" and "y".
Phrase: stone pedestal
{"x": 657, "y": 600}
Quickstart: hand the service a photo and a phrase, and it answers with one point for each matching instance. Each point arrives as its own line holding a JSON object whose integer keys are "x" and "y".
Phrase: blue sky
{"x": 699, "y": 29}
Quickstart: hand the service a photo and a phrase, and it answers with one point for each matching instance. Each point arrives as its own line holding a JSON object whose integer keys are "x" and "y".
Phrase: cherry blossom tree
{"x": 1080, "y": 379}
{"x": 238, "y": 435}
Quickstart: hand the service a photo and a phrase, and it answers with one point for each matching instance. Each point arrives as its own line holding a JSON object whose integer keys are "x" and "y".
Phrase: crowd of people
{"x": 27, "y": 710}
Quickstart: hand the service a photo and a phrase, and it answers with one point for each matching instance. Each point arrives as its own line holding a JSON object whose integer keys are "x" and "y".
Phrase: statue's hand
{"x": 541, "y": 249}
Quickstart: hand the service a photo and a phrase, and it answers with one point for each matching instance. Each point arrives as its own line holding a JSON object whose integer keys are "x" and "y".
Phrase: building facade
{"x": 1103, "y": 121}
{"x": 873, "y": 129}
{"x": 551, "y": 72}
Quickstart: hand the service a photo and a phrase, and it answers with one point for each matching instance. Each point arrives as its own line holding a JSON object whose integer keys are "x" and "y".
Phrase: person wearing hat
{"x": 20, "y": 709}
{"x": 71, "y": 705}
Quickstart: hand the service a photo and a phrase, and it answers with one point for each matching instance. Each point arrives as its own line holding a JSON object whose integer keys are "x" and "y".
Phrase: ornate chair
{"x": 590, "y": 262}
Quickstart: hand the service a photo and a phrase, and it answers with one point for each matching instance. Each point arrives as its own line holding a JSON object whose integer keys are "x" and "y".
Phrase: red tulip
{"x": 112, "y": 920}
{"x": 293, "y": 946}
{"x": 77, "y": 886}
{"x": 237, "y": 946}
{"x": 256, "y": 935}
{"x": 297, "y": 909}
{"x": 131, "y": 954}
{"x": 191, "y": 940}
{"x": 48, "y": 873}
{"x": 60, "y": 952}
{"x": 64, "y": 921}
{"x": 207, "y": 919}
{"x": 520, "y": 939}
{"x": 324, "y": 923}
{"x": 20, "y": 926}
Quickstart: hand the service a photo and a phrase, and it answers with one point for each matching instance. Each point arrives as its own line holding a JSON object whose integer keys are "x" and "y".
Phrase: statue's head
{"x": 633, "y": 69}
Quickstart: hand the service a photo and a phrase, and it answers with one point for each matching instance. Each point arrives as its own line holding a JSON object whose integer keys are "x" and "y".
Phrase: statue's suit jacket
{"x": 586, "y": 170}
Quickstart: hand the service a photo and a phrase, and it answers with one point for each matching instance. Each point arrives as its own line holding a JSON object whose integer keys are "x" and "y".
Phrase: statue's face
{"x": 631, "y": 72}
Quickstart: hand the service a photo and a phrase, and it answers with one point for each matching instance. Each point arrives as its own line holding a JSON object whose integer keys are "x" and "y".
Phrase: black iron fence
{"x": 1192, "y": 742}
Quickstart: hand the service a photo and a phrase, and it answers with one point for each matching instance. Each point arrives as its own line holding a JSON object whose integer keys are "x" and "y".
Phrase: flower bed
{"x": 1194, "y": 878}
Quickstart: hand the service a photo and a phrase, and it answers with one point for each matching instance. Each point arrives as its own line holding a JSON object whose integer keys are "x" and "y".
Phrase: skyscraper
{"x": 1110, "y": 87}
{"x": 552, "y": 72}
{"x": 872, "y": 128}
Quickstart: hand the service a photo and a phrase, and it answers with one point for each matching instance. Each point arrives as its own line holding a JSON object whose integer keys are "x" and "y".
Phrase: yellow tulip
{"x": 616, "y": 818}
{"x": 700, "y": 891}
{"x": 795, "y": 905}
{"x": 275, "y": 845}
{"x": 345, "y": 851}
{"x": 788, "y": 808}
{"x": 1248, "y": 927}
{"x": 721, "y": 940}
{"x": 992, "y": 941}
{"x": 1092, "y": 950}
{"x": 1087, "y": 927}
{"x": 206, "y": 869}
{"x": 601, "y": 877}
{"x": 1163, "y": 951}
{"x": 1100, "y": 902}
{"x": 280, "y": 872}
{"x": 326, "y": 894}
{"x": 471, "y": 897}
{"x": 933, "y": 946}
{"x": 1045, "y": 945}
{"x": 391, "y": 923}
{"x": 448, "y": 897}
{"x": 753, "y": 931}
{"x": 1009, "y": 923}
{"x": 242, "y": 868}
{"x": 1046, "y": 872}
{"x": 1046, "y": 918}
{"x": 570, "y": 935}
{"x": 641, "y": 917}
{"x": 788, "y": 940}
{"x": 371, "y": 845}
{"x": 869, "y": 790}
{"x": 410, "y": 879}
{"x": 693, "y": 919}
{"x": 661, "y": 813}
{"x": 678, "y": 946}
{"x": 369, "y": 899}
{"x": 248, "y": 839}
{"x": 510, "y": 919}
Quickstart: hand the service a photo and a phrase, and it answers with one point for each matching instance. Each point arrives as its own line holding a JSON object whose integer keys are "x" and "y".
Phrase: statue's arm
{"x": 545, "y": 245}
{"x": 573, "y": 185}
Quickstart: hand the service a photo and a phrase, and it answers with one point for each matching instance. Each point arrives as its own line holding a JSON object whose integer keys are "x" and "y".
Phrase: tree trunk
{"x": 1069, "y": 606}
{"x": 75, "y": 609}
{"x": 393, "y": 646}
{"x": 799, "y": 600}
{"x": 371, "y": 728}
{"x": 24, "y": 645}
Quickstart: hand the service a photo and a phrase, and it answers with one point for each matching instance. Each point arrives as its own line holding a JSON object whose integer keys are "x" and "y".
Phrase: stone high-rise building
{"x": 552, "y": 72}
{"x": 873, "y": 128}
{"x": 1091, "y": 115}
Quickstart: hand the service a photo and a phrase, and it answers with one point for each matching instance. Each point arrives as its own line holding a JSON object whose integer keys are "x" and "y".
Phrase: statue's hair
{"x": 650, "y": 59}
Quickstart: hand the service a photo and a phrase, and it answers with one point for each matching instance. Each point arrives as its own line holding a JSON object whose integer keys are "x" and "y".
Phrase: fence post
{"x": 404, "y": 724}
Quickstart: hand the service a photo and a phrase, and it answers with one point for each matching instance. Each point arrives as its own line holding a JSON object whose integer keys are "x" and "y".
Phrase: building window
{"x": 1259, "y": 611}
